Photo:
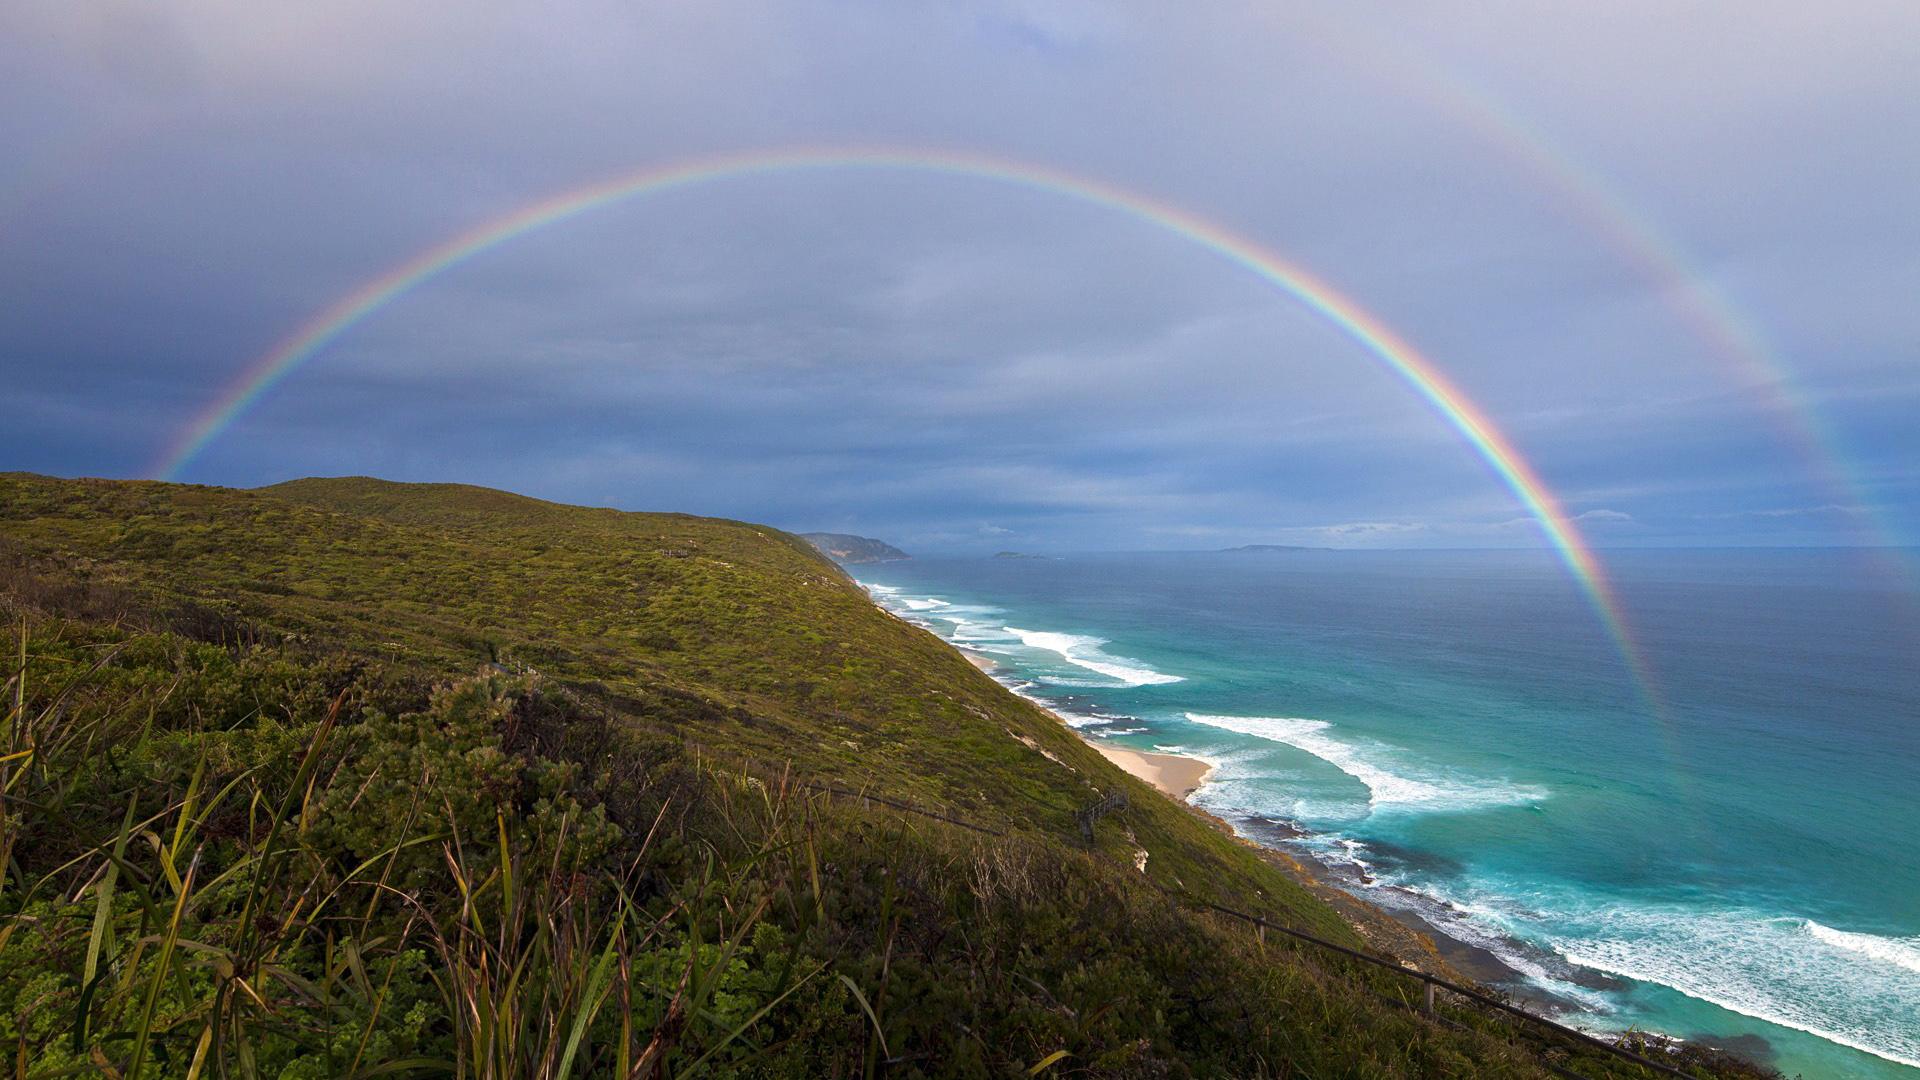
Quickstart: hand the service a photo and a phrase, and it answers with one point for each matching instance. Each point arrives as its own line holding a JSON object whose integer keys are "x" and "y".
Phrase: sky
{"x": 1671, "y": 250}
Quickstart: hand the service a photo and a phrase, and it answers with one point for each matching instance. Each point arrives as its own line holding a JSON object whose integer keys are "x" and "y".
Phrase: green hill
{"x": 347, "y": 777}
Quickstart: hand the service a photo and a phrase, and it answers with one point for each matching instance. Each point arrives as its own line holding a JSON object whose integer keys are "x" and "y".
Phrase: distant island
{"x": 1254, "y": 549}
{"x": 854, "y": 550}
{"x": 1018, "y": 555}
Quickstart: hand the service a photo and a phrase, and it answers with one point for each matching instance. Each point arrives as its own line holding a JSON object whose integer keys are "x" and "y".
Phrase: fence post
{"x": 1429, "y": 1005}
{"x": 1116, "y": 800}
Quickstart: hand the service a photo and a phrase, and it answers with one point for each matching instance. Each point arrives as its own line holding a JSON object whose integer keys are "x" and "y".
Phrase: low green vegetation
{"x": 350, "y": 778}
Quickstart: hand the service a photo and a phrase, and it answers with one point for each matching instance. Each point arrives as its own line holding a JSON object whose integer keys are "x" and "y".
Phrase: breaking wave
{"x": 1084, "y": 651}
{"x": 1386, "y": 788}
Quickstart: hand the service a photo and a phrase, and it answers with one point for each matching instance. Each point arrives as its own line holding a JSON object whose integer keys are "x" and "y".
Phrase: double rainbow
{"x": 1377, "y": 339}
{"x": 1733, "y": 337}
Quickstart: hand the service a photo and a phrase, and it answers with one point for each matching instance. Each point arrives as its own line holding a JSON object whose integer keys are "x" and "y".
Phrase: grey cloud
{"x": 918, "y": 355}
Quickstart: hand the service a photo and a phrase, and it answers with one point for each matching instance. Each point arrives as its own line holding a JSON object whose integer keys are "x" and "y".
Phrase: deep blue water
{"x": 1737, "y": 845}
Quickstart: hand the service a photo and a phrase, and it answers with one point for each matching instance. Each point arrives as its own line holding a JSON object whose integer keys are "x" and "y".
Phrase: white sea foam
{"x": 1025, "y": 689}
{"x": 1084, "y": 651}
{"x": 1855, "y": 989}
{"x": 1900, "y": 952}
{"x": 1491, "y": 922}
{"x": 1836, "y": 985}
{"x": 1858, "y": 990}
{"x": 967, "y": 624}
{"x": 1385, "y": 788}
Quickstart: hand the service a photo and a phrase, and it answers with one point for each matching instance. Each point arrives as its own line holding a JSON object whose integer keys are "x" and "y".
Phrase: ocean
{"x": 1728, "y": 852}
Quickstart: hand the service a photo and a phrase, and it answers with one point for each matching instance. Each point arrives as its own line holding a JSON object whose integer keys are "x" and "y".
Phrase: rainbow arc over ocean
{"x": 1733, "y": 337}
{"x": 1374, "y": 337}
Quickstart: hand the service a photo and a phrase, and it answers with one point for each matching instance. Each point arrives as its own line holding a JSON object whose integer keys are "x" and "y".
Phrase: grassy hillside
{"x": 349, "y": 777}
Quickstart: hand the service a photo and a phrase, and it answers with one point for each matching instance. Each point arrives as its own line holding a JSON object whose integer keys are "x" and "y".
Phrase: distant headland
{"x": 854, "y": 550}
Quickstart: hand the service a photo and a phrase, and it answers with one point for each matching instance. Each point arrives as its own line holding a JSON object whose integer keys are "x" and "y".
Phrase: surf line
{"x": 1373, "y": 336}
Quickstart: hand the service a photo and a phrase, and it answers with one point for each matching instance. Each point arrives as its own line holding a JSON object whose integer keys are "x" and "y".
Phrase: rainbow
{"x": 1732, "y": 337}
{"x": 1376, "y": 338}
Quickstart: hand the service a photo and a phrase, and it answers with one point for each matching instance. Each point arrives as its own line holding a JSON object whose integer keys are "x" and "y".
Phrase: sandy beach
{"x": 1394, "y": 929}
{"x": 1179, "y": 776}
{"x": 1176, "y": 775}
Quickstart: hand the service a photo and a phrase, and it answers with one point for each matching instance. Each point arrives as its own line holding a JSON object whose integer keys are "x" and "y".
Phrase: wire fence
{"x": 1430, "y": 982}
{"x": 1433, "y": 981}
{"x": 869, "y": 797}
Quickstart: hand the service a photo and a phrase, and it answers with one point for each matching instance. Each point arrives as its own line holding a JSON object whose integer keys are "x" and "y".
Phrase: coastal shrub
{"x": 438, "y": 801}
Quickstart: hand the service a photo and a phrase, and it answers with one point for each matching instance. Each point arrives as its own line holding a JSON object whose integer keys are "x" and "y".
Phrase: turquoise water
{"x": 1733, "y": 854}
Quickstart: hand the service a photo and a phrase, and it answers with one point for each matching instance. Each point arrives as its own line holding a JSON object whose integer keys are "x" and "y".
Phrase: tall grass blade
{"x": 102, "y": 925}
{"x": 598, "y": 988}
{"x": 1051, "y": 1059}
{"x": 163, "y": 963}
{"x": 862, "y": 999}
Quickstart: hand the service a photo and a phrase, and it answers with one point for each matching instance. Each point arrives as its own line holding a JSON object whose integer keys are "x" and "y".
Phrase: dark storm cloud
{"x": 950, "y": 362}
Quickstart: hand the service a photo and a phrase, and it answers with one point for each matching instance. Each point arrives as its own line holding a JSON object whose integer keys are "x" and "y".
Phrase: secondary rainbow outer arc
{"x": 1712, "y": 316}
{"x": 1380, "y": 341}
